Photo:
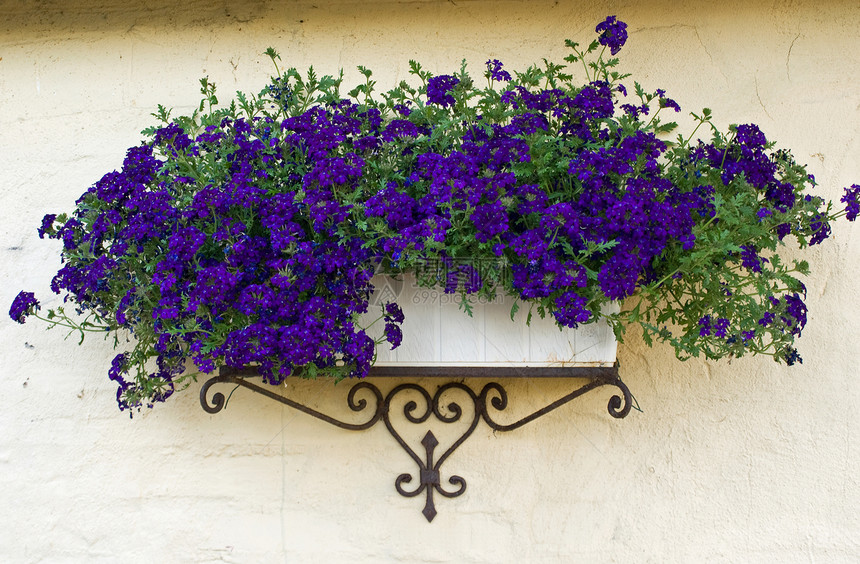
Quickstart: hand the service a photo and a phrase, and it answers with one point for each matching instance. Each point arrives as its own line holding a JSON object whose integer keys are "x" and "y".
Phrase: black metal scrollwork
{"x": 492, "y": 395}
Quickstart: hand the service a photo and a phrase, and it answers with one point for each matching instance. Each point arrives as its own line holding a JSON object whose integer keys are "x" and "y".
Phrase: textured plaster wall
{"x": 741, "y": 461}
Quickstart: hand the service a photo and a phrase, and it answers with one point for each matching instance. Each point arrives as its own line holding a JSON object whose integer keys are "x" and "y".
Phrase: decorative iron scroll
{"x": 492, "y": 395}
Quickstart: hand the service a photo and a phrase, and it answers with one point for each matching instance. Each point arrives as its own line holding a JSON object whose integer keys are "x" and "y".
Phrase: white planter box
{"x": 437, "y": 332}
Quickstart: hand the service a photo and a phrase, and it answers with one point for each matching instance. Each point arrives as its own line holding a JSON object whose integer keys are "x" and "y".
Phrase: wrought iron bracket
{"x": 492, "y": 395}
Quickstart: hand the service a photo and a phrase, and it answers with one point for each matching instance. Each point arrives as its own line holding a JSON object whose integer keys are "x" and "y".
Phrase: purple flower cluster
{"x": 792, "y": 357}
{"x": 260, "y": 261}
{"x": 613, "y": 34}
{"x": 24, "y": 304}
{"x": 161, "y": 382}
{"x": 851, "y": 199}
{"x": 495, "y": 72}
{"x": 746, "y": 160}
{"x": 718, "y": 328}
{"x": 393, "y": 318}
{"x": 614, "y": 198}
{"x": 251, "y": 266}
{"x": 747, "y": 157}
{"x": 750, "y": 259}
{"x": 439, "y": 90}
{"x": 667, "y": 102}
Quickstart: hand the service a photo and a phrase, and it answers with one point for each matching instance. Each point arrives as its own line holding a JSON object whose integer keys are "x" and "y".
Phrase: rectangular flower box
{"x": 438, "y": 332}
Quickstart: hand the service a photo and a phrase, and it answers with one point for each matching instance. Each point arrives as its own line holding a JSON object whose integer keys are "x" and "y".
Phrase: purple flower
{"x": 820, "y": 228}
{"x": 399, "y": 128}
{"x": 633, "y": 111}
{"x": 721, "y": 327}
{"x": 571, "y": 309}
{"x": 393, "y": 312}
{"x": 668, "y": 102}
{"x": 490, "y": 220}
{"x": 792, "y": 357}
{"x": 750, "y": 259}
{"x": 439, "y": 90}
{"x": 280, "y": 91}
{"x": 118, "y": 368}
{"x": 393, "y": 334}
{"x": 618, "y": 276}
{"x": 613, "y": 34}
{"x": 796, "y": 309}
{"x": 403, "y": 109}
{"x": 851, "y": 199}
{"x": 780, "y": 193}
{"x": 705, "y": 326}
{"x": 24, "y": 304}
{"x": 766, "y": 319}
{"x": 751, "y": 136}
{"x": 47, "y": 227}
{"x": 185, "y": 242}
{"x": 471, "y": 278}
{"x": 494, "y": 70}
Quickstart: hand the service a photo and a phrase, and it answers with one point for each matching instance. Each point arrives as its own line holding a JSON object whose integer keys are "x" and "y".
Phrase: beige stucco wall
{"x": 742, "y": 461}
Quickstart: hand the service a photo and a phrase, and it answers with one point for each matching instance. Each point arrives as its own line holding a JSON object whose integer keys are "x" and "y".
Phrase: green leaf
{"x": 466, "y": 306}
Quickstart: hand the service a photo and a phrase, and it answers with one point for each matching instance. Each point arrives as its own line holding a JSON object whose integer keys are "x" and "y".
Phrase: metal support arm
{"x": 492, "y": 395}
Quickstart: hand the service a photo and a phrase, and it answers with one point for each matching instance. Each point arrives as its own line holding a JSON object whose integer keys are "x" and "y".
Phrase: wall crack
{"x": 788, "y": 57}
{"x": 760, "y": 103}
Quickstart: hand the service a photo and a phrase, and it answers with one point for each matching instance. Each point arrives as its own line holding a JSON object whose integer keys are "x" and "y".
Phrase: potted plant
{"x": 250, "y": 233}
